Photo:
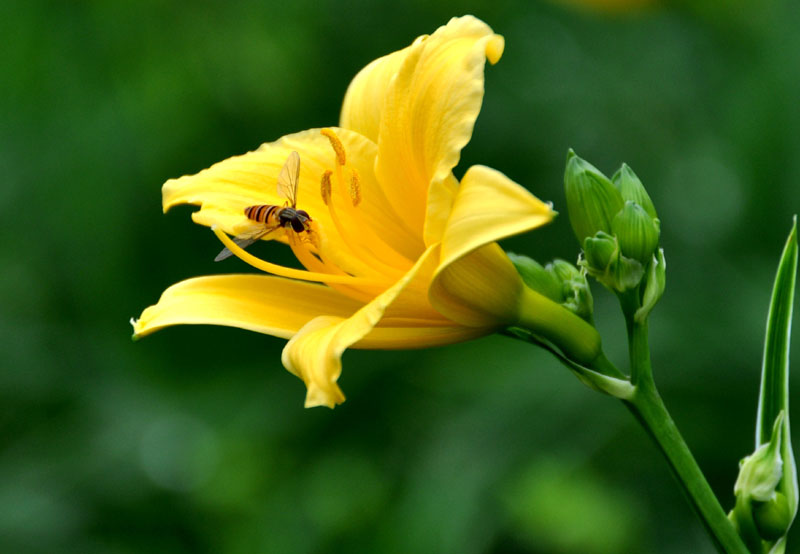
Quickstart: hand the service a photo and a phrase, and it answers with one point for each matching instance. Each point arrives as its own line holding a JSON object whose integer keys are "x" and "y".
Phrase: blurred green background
{"x": 195, "y": 439}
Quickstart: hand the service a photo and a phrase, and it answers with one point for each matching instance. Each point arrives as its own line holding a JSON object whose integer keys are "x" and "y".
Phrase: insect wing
{"x": 288, "y": 179}
{"x": 244, "y": 240}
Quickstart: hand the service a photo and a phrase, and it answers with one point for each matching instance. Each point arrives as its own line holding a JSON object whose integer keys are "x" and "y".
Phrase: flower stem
{"x": 649, "y": 409}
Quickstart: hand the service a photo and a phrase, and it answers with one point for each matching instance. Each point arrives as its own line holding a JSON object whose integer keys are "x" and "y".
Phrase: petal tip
{"x": 494, "y": 48}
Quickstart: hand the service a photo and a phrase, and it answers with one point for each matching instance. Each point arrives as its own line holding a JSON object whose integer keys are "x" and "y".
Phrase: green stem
{"x": 651, "y": 412}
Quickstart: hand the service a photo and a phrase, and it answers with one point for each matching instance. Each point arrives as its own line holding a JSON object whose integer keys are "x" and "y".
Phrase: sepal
{"x": 656, "y": 282}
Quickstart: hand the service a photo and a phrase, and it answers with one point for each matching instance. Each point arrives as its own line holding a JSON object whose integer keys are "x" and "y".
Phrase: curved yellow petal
{"x": 226, "y": 188}
{"x": 314, "y": 353}
{"x": 261, "y": 303}
{"x": 363, "y": 101}
{"x": 430, "y": 110}
{"x": 488, "y": 207}
{"x": 476, "y": 284}
{"x": 481, "y": 290}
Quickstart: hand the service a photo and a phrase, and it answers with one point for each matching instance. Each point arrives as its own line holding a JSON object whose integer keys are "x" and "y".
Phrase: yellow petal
{"x": 429, "y": 112}
{"x": 488, "y": 207}
{"x": 314, "y": 353}
{"x": 363, "y": 102}
{"x": 482, "y": 289}
{"x": 261, "y": 303}
{"x": 476, "y": 284}
{"x": 226, "y": 188}
{"x": 440, "y": 204}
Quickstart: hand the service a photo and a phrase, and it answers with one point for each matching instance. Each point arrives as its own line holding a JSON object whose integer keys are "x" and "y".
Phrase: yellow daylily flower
{"x": 399, "y": 253}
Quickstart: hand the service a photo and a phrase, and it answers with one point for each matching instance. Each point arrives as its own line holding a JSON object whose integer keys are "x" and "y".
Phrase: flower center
{"x": 350, "y": 223}
{"x": 370, "y": 264}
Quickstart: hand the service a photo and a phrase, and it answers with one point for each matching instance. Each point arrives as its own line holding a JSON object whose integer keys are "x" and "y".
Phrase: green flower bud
{"x": 559, "y": 281}
{"x": 575, "y": 291}
{"x": 762, "y": 512}
{"x": 773, "y": 517}
{"x": 592, "y": 199}
{"x": 564, "y": 270}
{"x": 537, "y": 277}
{"x": 605, "y": 263}
{"x": 631, "y": 188}
{"x": 636, "y": 231}
{"x": 601, "y": 251}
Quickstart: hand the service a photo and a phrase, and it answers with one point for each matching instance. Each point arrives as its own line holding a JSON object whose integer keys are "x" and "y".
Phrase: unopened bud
{"x": 773, "y": 517}
{"x": 559, "y": 281}
{"x": 592, "y": 199}
{"x": 605, "y": 263}
{"x": 601, "y": 251}
{"x": 762, "y": 512}
{"x": 631, "y": 188}
{"x": 636, "y": 231}
{"x": 537, "y": 277}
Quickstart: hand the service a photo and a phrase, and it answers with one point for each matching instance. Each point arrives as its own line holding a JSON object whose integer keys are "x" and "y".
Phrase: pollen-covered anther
{"x": 325, "y": 186}
{"x": 355, "y": 188}
{"x": 337, "y": 145}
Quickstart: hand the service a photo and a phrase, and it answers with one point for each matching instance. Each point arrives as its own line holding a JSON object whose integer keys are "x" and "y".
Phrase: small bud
{"x": 761, "y": 509}
{"x": 773, "y": 517}
{"x": 537, "y": 277}
{"x": 636, "y": 231}
{"x": 631, "y": 188}
{"x": 605, "y": 263}
{"x": 592, "y": 199}
{"x": 760, "y": 472}
{"x": 575, "y": 292}
{"x": 564, "y": 270}
{"x": 559, "y": 281}
{"x": 601, "y": 251}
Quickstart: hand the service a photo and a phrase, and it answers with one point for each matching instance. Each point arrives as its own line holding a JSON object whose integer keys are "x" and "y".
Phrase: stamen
{"x": 321, "y": 265}
{"x": 325, "y": 186}
{"x": 288, "y": 272}
{"x": 355, "y": 188}
{"x": 337, "y": 145}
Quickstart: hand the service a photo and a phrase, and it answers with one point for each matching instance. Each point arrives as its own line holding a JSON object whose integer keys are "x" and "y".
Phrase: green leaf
{"x": 774, "y": 395}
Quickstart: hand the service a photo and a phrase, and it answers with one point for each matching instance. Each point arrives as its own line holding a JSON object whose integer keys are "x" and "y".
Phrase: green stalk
{"x": 649, "y": 409}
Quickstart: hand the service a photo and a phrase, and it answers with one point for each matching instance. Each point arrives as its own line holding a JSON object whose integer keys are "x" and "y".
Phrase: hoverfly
{"x": 272, "y": 217}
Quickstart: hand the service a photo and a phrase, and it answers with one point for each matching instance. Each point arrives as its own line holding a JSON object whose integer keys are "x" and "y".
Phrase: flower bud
{"x": 559, "y": 281}
{"x": 636, "y": 231}
{"x": 601, "y": 251}
{"x": 762, "y": 512}
{"x": 575, "y": 292}
{"x": 605, "y": 263}
{"x": 592, "y": 199}
{"x": 631, "y": 188}
{"x": 537, "y": 277}
{"x": 773, "y": 517}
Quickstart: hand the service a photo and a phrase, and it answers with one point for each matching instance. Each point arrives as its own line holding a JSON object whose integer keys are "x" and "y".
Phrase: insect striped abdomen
{"x": 261, "y": 213}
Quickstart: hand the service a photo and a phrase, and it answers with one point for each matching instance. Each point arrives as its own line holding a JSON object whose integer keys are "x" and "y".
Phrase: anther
{"x": 337, "y": 145}
{"x": 355, "y": 188}
{"x": 325, "y": 186}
